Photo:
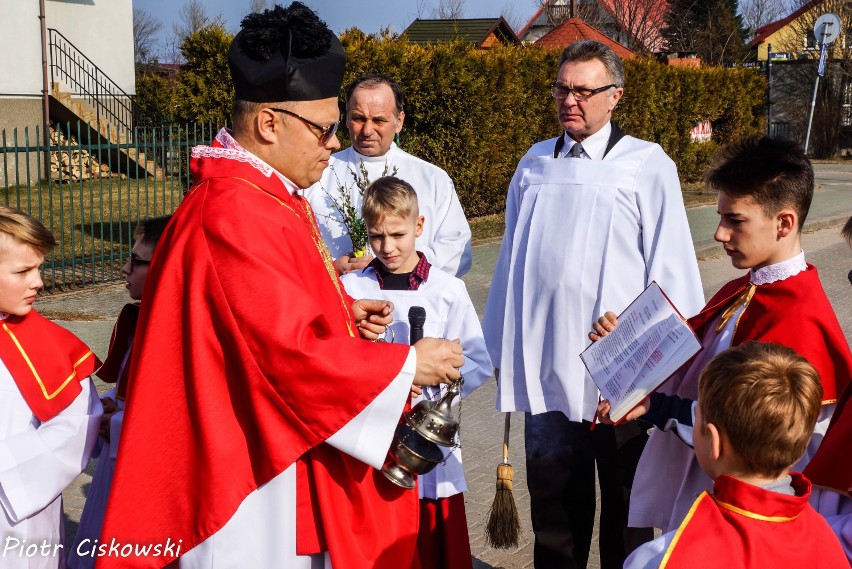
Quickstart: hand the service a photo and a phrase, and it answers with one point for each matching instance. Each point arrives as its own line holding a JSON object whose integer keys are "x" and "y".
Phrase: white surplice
{"x": 582, "y": 237}
{"x": 262, "y": 532}
{"x": 446, "y": 236}
{"x": 37, "y": 462}
{"x": 449, "y": 314}
{"x": 92, "y": 520}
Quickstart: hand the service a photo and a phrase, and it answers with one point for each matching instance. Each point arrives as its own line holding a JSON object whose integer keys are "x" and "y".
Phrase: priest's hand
{"x": 603, "y": 326}
{"x": 348, "y": 263}
{"x": 438, "y": 361}
{"x": 110, "y": 409}
{"x": 372, "y": 317}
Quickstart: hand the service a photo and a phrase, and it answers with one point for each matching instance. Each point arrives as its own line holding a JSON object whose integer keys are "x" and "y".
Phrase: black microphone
{"x": 416, "y": 320}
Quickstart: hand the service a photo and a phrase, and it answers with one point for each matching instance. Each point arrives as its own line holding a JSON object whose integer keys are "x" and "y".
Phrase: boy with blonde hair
{"x": 757, "y": 407}
{"x": 49, "y": 409}
{"x": 402, "y": 275}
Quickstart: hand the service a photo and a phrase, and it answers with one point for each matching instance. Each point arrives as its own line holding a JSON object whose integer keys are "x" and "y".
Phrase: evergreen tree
{"x": 205, "y": 91}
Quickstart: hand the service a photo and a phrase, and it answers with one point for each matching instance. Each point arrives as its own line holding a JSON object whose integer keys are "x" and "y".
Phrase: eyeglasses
{"x": 136, "y": 263}
{"x": 326, "y": 131}
{"x": 561, "y": 92}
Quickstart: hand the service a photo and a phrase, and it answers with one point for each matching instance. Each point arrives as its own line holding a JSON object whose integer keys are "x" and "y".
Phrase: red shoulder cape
{"x": 741, "y": 526}
{"x": 831, "y": 466}
{"x": 795, "y": 313}
{"x": 250, "y": 362}
{"x": 120, "y": 342}
{"x": 46, "y": 361}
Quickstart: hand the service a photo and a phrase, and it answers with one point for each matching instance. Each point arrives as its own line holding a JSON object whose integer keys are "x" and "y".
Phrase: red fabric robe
{"x": 831, "y": 466}
{"x": 741, "y": 526}
{"x": 251, "y": 361}
{"x": 794, "y": 312}
{"x": 46, "y": 361}
{"x": 120, "y": 342}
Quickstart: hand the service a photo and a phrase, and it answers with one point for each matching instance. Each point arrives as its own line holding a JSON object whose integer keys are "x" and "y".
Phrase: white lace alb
{"x": 779, "y": 271}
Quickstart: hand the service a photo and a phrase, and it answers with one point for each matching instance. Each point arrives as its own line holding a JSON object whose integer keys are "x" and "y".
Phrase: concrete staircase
{"x": 112, "y": 145}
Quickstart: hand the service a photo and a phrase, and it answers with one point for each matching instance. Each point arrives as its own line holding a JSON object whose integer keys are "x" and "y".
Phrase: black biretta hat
{"x": 286, "y": 54}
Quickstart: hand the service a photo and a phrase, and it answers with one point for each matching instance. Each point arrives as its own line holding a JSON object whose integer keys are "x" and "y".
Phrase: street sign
{"x": 823, "y": 55}
{"x": 827, "y": 28}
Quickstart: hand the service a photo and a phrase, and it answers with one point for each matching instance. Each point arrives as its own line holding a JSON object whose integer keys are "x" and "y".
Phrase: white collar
{"x": 386, "y": 157}
{"x": 227, "y": 140}
{"x": 779, "y": 271}
{"x": 594, "y": 145}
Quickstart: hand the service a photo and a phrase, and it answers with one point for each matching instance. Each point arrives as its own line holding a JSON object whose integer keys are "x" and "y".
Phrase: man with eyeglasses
{"x": 257, "y": 436}
{"x": 374, "y": 116}
{"x": 592, "y": 218}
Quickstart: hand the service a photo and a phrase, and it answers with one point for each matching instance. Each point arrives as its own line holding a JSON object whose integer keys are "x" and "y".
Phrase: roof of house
{"x": 764, "y": 32}
{"x": 575, "y": 29}
{"x": 650, "y": 33}
{"x": 473, "y": 30}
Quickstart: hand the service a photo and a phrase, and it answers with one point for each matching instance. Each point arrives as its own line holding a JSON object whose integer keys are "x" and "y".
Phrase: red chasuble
{"x": 120, "y": 342}
{"x": 46, "y": 361}
{"x": 794, "y": 312}
{"x": 741, "y": 526}
{"x": 251, "y": 361}
{"x": 831, "y": 466}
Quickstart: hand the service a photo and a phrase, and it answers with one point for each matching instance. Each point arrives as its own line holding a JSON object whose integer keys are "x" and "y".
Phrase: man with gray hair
{"x": 592, "y": 218}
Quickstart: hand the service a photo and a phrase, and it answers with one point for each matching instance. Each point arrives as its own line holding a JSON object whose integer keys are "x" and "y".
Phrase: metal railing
{"x": 86, "y": 80}
{"x": 97, "y": 192}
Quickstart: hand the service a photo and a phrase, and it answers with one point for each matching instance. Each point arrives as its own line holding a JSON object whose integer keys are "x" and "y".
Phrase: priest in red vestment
{"x": 757, "y": 407}
{"x": 256, "y": 435}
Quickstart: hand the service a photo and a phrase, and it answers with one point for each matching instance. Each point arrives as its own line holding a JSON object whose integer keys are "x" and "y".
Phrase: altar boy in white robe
{"x": 374, "y": 117}
{"x": 405, "y": 277}
{"x": 49, "y": 409}
{"x": 592, "y": 218}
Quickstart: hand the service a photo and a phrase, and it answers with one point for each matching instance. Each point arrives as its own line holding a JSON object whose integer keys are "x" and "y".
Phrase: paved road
{"x": 482, "y": 426}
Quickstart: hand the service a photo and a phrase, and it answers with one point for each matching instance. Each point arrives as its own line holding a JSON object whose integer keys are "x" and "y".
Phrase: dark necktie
{"x": 576, "y": 151}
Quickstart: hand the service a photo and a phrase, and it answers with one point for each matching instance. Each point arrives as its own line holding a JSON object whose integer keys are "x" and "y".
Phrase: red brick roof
{"x": 764, "y": 32}
{"x": 575, "y": 29}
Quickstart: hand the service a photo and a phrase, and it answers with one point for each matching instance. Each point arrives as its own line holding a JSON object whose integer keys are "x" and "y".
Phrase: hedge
{"x": 476, "y": 112}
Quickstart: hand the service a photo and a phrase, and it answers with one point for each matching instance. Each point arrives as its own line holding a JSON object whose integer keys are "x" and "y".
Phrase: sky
{"x": 368, "y": 15}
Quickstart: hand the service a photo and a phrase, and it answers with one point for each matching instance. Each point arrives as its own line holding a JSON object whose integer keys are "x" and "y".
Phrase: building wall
{"x": 101, "y": 29}
{"x": 25, "y": 115}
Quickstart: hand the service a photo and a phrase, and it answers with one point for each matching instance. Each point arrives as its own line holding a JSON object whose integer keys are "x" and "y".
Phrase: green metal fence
{"x": 91, "y": 188}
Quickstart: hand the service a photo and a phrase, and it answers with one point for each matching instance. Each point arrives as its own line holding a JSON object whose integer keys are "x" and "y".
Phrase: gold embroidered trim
{"x": 742, "y": 300}
{"x": 753, "y": 515}
{"x": 38, "y": 379}
{"x": 316, "y": 237}
{"x": 681, "y": 529}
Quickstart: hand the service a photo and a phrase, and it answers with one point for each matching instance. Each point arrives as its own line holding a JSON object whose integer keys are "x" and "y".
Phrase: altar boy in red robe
{"x": 765, "y": 190}
{"x": 49, "y": 409}
{"x": 757, "y": 407}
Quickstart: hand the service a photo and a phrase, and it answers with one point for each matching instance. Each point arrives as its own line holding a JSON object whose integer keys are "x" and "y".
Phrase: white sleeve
{"x": 495, "y": 307}
{"x": 650, "y": 555}
{"x": 450, "y": 248}
{"x": 37, "y": 465}
{"x": 368, "y": 436}
{"x": 666, "y": 241}
{"x": 463, "y": 323}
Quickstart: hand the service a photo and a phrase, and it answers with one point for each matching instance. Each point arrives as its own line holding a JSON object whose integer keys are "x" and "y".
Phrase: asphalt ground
{"x": 482, "y": 425}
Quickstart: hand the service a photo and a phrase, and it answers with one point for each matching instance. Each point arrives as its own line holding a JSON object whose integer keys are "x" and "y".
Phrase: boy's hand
{"x": 640, "y": 410}
{"x": 110, "y": 409}
{"x": 603, "y": 326}
{"x": 372, "y": 317}
{"x": 348, "y": 263}
{"x": 438, "y": 361}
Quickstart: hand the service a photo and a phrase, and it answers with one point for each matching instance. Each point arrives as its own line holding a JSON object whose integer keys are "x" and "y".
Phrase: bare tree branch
{"x": 258, "y": 6}
{"x": 145, "y": 28}
{"x": 193, "y": 17}
{"x": 450, "y": 10}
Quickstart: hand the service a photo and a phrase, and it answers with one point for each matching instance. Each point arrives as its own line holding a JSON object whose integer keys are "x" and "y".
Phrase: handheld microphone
{"x": 416, "y": 320}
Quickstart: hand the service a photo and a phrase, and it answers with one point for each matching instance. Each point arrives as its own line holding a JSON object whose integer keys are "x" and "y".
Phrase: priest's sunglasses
{"x": 326, "y": 131}
{"x": 560, "y": 91}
